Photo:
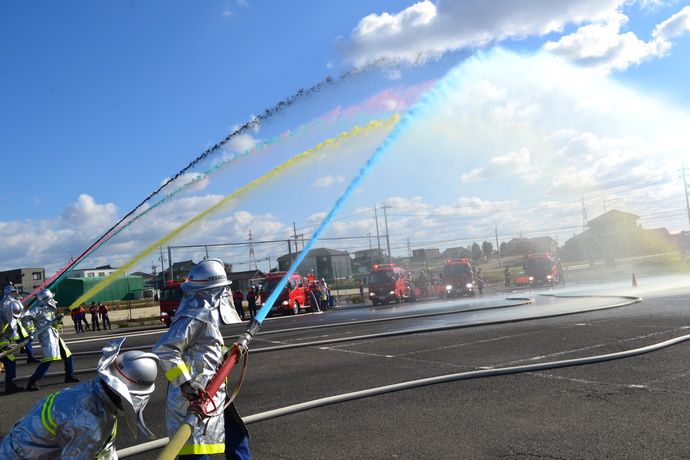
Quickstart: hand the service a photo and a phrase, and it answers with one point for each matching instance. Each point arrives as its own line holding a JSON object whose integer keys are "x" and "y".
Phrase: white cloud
{"x": 241, "y": 142}
{"x": 328, "y": 180}
{"x": 673, "y": 27}
{"x": 187, "y": 182}
{"x": 87, "y": 214}
{"x": 426, "y": 27}
{"x": 512, "y": 163}
{"x": 600, "y": 45}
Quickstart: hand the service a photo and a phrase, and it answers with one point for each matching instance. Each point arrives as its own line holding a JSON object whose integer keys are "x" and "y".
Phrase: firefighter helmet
{"x": 207, "y": 274}
{"x": 137, "y": 370}
{"x": 44, "y": 296}
{"x": 131, "y": 375}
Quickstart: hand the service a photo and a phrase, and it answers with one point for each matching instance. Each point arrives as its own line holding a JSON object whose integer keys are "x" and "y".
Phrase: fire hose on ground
{"x": 159, "y": 443}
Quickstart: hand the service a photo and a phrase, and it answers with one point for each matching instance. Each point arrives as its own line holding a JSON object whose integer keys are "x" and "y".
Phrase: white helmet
{"x": 44, "y": 296}
{"x": 207, "y": 274}
{"x": 131, "y": 375}
{"x": 137, "y": 370}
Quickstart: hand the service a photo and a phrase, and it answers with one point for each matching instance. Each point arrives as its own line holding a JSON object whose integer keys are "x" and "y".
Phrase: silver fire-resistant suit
{"x": 38, "y": 317}
{"x": 12, "y": 327}
{"x": 192, "y": 350}
{"x": 80, "y": 422}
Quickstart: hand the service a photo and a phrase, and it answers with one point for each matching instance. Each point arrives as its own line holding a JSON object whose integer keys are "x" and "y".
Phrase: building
{"x": 426, "y": 256}
{"x": 122, "y": 288}
{"x": 616, "y": 234}
{"x": 526, "y": 246}
{"x": 330, "y": 264}
{"x": 105, "y": 270}
{"x": 367, "y": 258}
{"x": 456, "y": 253}
{"x": 24, "y": 279}
{"x": 245, "y": 279}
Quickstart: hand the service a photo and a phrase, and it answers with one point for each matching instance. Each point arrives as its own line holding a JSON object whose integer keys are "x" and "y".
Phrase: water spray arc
{"x": 292, "y": 162}
{"x": 122, "y": 225}
{"x": 240, "y": 348}
{"x": 266, "y": 115}
{"x": 380, "y": 124}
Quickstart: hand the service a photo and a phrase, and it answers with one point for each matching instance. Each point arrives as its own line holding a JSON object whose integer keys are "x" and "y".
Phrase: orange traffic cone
{"x": 634, "y": 281}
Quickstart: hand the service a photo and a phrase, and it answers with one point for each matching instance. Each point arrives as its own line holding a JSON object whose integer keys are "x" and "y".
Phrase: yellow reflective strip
{"x": 176, "y": 371}
{"x": 46, "y": 416}
{"x": 201, "y": 449}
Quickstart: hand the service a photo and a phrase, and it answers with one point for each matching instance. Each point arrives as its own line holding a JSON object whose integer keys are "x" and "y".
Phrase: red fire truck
{"x": 459, "y": 278}
{"x": 388, "y": 283}
{"x": 541, "y": 269}
{"x": 295, "y": 294}
{"x": 171, "y": 295}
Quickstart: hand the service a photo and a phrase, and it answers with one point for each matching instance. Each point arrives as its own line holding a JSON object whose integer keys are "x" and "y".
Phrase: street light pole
{"x": 388, "y": 241}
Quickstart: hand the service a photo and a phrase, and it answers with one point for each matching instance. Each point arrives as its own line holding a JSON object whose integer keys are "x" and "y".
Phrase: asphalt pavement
{"x": 630, "y": 408}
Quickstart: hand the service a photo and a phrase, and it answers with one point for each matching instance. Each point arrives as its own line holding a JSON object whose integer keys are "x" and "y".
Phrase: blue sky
{"x": 523, "y": 111}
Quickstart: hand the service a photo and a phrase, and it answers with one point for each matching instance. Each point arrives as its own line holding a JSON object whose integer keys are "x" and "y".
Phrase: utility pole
{"x": 153, "y": 267}
{"x": 252, "y": 256}
{"x": 687, "y": 201}
{"x": 584, "y": 215}
{"x": 162, "y": 260}
{"x": 295, "y": 235}
{"x": 378, "y": 237}
{"x": 170, "y": 264}
{"x": 388, "y": 241}
{"x": 498, "y": 249}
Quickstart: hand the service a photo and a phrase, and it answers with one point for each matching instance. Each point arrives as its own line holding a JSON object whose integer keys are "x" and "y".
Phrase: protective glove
{"x": 190, "y": 390}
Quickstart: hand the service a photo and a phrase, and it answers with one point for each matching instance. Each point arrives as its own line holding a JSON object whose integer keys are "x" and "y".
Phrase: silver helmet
{"x": 44, "y": 296}
{"x": 10, "y": 288}
{"x": 131, "y": 375}
{"x": 137, "y": 370}
{"x": 207, "y": 274}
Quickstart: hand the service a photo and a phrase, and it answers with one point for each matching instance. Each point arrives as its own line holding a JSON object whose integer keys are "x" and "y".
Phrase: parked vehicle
{"x": 171, "y": 295}
{"x": 541, "y": 269}
{"x": 388, "y": 283}
{"x": 521, "y": 279}
{"x": 458, "y": 278}
{"x": 294, "y": 296}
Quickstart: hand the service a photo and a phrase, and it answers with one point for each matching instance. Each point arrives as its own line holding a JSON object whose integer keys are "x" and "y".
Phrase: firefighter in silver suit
{"x": 191, "y": 352}
{"x": 11, "y": 329}
{"x": 80, "y": 422}
{"x": 42, "y": 316}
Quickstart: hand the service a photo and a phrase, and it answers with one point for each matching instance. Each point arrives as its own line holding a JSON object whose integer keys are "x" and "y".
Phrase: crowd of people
{"x": 189, "y": 354}
{"x": 99, "y": 317}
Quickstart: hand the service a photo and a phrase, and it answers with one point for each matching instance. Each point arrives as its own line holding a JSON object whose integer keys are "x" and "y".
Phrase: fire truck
{"x": 541, "y": 269}
{"x": 294, "y": 296}
{"x": 171, "y": 295}
{"x": 388, "y": 283}
{"x": 459, "y": 278}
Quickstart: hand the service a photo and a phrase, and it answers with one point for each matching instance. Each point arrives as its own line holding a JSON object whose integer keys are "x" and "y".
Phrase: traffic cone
{"x": 634, "y": 281}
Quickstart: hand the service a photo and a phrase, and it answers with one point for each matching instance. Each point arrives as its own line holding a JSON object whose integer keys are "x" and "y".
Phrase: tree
{"x": 476, "y": 252}
{"x": 488, "y": 248}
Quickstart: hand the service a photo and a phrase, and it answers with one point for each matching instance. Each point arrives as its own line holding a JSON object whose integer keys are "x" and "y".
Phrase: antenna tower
{"x": 252, "y": 256}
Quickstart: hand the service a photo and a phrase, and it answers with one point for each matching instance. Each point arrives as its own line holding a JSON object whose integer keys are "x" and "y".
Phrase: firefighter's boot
{"x": 11, "y": 387}
{"x": 31, "y": 386}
